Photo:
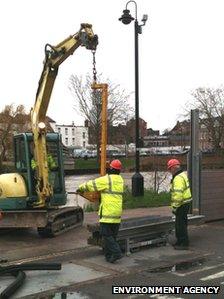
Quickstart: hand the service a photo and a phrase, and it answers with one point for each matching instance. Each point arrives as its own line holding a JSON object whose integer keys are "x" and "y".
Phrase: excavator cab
{"x": 25, "y": 166}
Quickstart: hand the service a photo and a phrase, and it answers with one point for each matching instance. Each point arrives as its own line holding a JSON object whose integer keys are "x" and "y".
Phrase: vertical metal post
{"x": 104, "y": 88}
{"x": 137, "y": 179}
{"x": 155, "y": 180}
{"x": 194, "y": 158}
{"x": 126, "y": 18}
{"x": 136, "y": 100}
{"x": 104, "y": 130}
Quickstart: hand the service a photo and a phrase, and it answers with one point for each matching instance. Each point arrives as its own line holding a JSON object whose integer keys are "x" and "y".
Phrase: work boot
{"x": 108, "y": 257}
{"x": 113, "y": 259}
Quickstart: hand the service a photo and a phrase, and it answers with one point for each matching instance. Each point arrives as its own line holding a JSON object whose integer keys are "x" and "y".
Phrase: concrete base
{"x": 40, "y": 281}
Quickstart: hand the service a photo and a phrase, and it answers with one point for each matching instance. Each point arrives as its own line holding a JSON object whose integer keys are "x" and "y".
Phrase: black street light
{"x": 126, "y": 18}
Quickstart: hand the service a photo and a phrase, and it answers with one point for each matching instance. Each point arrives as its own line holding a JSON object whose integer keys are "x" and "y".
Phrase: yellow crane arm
{"x": 54, "y": 56}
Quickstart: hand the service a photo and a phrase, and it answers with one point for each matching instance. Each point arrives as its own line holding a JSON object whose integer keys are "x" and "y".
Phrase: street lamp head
{"x": 126, "y": 18}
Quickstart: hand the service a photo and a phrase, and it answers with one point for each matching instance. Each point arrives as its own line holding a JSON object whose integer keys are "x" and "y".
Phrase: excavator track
{"x": 61, "y": 220}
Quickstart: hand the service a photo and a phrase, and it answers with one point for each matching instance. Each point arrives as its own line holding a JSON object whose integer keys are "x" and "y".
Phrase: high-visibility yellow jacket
{"x": 111, "y": 187}
{"x": 180, "y": 190}
{"x": 50, "y": 162}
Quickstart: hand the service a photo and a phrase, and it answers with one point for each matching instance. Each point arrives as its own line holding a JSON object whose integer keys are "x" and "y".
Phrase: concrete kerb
{"x": 60, "y": 256}
{"x": 152, "y": 257}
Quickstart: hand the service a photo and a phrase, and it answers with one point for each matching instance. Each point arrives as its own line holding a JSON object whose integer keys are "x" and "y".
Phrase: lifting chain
{"x": 94, "y": 66}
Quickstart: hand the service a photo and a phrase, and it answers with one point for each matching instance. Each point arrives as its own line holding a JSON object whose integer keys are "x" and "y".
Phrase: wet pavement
{"x": 77, "y": 271}
{"x": 88, "y": 275}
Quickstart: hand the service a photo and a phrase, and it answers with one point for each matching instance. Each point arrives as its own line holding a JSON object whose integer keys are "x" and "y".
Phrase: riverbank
{"x": 147, "y": 163}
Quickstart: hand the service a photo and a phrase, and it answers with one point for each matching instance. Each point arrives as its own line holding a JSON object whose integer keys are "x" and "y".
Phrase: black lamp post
{"x": 126, "y": 18}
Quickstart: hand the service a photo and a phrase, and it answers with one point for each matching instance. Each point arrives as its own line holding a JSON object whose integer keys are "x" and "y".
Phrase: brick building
{"x": 180, "y": 135}
{"x": 122, "y": 134}
{"x": 156, "y": 141}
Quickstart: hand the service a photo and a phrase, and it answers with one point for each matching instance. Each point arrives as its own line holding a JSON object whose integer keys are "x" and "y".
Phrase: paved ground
{"x": 86, "y": 274}
{"x": 202, "y": 266}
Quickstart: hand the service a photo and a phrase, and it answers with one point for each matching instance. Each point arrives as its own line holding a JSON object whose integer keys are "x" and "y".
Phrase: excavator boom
{"x": 54, "y": 56}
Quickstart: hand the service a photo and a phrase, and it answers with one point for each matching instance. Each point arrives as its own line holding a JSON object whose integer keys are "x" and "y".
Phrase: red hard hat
{"x": 172, "y": 162}
{"x": 116, "y": 164}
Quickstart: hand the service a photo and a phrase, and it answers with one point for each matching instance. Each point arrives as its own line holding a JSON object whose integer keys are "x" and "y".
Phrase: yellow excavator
{"x": 36, "y": 196}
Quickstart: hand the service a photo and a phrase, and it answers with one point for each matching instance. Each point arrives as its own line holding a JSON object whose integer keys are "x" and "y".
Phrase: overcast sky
{"x": 181, "y": 48}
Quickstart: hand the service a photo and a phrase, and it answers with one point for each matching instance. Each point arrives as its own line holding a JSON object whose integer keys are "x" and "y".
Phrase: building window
{"x": 66, "y": 131}
{"x": 83, "y": 135}
{"x": 73, "y": 131}
{"x": 66, "y": 141}
{"x": 59, "y": 130}
{"x": 73, "y": 141}
{"x": 84, "y": 144}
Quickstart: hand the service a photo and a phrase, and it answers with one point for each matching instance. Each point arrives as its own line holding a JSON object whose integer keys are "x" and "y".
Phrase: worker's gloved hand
{"x": 79, "y": 191}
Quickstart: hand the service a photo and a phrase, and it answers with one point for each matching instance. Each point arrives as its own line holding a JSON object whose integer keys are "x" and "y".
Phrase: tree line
{"x": 209, "y": 101}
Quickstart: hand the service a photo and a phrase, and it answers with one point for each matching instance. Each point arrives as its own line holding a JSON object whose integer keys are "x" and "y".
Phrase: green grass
{"x": 150, "y": 199}
{"x": 128, "y": 162}
{"x": 86, "y": 164}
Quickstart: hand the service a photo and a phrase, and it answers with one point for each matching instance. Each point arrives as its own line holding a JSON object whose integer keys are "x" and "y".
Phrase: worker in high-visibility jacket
{"x": 111, "y": 187}
{"x": 50, "y": 162}
{"x": 180, "y": 202}
{"x": 51, "y": 166}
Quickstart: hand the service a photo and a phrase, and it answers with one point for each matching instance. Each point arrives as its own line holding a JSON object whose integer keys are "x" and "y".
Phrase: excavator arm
{"x": 54, "y": 56}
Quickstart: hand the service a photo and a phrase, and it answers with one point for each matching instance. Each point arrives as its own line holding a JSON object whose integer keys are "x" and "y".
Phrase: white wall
{"x": 72, "y": 135}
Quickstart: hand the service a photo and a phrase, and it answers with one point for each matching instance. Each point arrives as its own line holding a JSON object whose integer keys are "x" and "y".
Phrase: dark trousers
{"x": 181, "y": 225}
{"x": 109, "y": 233}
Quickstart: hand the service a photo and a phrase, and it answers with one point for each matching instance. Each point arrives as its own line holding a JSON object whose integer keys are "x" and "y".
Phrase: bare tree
{"x": 210, "y": 102}
{"x": 128, "y": 115}
{"x": 88, "y": 103}
{"x": 159, "y": 179}
{"x": 12, "y": 120}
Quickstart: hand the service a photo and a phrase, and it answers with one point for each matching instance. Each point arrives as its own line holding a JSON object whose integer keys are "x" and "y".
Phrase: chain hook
{"x": 94, "y": 66}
